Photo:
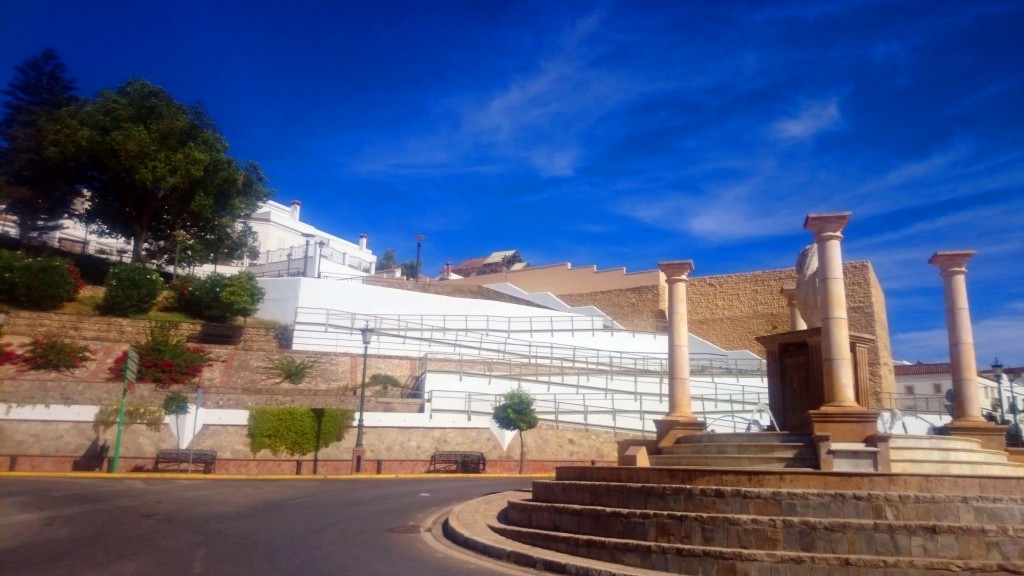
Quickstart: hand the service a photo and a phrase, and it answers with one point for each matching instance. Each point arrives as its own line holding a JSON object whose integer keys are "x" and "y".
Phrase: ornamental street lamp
{"x": 419, "y": 249}
{"x": 997, "y": 371}
{"x": 367, "y": 333}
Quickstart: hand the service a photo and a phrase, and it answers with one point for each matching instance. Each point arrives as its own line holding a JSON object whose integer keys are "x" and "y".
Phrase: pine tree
{"x": 34, "y": 186}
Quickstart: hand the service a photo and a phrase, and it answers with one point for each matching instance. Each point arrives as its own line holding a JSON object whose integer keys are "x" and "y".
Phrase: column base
{"x": 844, "y": 424}
{"x": 358, "y": 457}
{"x": 992, "y": 436}
{"x": 671, "y": 429}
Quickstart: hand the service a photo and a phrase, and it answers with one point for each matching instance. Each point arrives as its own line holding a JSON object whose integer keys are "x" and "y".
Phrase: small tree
{"x": 242, "y": 295}
{"x": 387, "y": 260}
{"x": 516, "y": 414}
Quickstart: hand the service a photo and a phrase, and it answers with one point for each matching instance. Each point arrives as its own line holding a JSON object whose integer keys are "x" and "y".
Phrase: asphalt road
{"x": 222, "y": 527}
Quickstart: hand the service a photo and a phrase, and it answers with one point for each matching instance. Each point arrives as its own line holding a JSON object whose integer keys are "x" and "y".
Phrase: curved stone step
{"x": 919, "y": 441}
{"x": 745, "y": 438}
{"x": 767, "y": 449}
{"x": 682, "y": 559}
{"x": 895, "y": 506}
{"x": 887, "y": 539}
{"x": 945, "y": 467}
{"x": 928, "y": 454}
{"x": 735, "y": 461}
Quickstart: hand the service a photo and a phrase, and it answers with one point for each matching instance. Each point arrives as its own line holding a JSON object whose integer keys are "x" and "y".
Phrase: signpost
{"x": 131, "y": 372}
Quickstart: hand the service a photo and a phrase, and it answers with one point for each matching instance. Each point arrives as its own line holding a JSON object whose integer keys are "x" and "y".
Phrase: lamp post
{"x": 997, "y": 371}
{"x": 419, "y": 250}
{"x": 195, "y": 423}
{"x": 367, "y": 333}
{"x": 179, "y": 235}
{"x": 288, "y": 269}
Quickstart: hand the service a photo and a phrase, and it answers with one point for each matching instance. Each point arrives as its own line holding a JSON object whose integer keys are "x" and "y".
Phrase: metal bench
{"x": 172, "y": 460}
{"x": 458, "y": 462}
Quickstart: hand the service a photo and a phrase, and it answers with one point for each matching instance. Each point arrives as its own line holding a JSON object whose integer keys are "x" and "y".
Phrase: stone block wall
{"x": 731, "y": 310}
{"x": 640, "y": 308}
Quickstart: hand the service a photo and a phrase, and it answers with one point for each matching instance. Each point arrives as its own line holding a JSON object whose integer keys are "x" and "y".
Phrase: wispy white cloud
{"x": 811, "y": 120}
{"x": 993, "y": 336}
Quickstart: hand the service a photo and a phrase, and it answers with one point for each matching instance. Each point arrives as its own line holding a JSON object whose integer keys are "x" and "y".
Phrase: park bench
{"x": 172, "y": 460}
{"x": 458, "y": 462}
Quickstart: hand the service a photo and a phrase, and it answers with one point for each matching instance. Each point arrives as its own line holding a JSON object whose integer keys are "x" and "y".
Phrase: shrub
{"x": 288, "y": 369}
{"x": 164, "y": 359}
{"x": 242, "y": 295}
{"x": 131, "y": 289}
{"x": 42, "y": 284}
{"x": 385, "y": 381}
{"x": 54, "y": 353}
{"x": 218, "y": 298}
{"x": 175, "y": 404}
{"x": 8, "y": 276}
{"x": 76, "y": 278}
{"x": 294, "y": 430}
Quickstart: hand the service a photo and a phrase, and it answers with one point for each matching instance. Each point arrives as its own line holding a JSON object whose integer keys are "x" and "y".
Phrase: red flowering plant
{"x": 165, "y": 359}
{"x": 8, "y": 355}
{"x": 55, "y": 353}
{"x": 76, "y": 277}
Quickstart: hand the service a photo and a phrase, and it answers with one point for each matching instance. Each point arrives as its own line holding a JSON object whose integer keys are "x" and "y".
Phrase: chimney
{"x": 448, "y": 270}
{"x": 296, "y": 206}
{"x": 362, "y": 242}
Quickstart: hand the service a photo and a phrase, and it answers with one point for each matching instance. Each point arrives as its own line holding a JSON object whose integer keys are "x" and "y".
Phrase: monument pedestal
{"x": 853, "y": 424}
{"x": 992, "y": 436}
{"x": 671, "y": 429}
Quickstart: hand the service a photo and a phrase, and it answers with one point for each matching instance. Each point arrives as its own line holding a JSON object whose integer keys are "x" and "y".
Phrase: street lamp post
{"x": 367, "y": 333}
{"x": 419, "y": 250}
{"x": 997, "y": 371}
{"x": 195, "y": 423}
{"x": 288, "y": 269}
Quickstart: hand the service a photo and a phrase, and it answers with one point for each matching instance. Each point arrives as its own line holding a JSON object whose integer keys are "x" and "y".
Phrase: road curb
{"x": 177, "y": 476}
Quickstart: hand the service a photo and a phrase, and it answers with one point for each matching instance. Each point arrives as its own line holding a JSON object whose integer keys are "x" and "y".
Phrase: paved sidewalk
{"x": 469, "y": 523}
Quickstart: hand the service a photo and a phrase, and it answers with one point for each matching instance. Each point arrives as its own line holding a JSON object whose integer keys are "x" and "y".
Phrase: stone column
{"x": 967, "y": 420}
{"x": 678, "y": 339}
{"x": 836, "y": 359}
{"x": 680, "y": 420}
{"x": 953, "y": 269}
{"x": 796, "y": 321}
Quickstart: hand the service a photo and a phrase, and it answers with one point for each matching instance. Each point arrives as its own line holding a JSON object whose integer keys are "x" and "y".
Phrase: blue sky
{"x": 611, "y": 133}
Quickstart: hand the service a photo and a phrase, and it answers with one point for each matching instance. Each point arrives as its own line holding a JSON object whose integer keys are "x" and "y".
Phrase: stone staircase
{"x": 973, "y": 526}
{"x": 740, "y": 450}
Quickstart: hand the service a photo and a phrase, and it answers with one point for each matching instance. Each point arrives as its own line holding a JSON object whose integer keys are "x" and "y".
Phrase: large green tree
{"x": 35, "y": 187}
{"x": 155, "y": 167}
{"x": 516, "y": 414}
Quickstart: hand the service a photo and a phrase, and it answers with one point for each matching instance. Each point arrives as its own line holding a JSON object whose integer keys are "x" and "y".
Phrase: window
{"x": 908, "y": 389}
{"x": 936, "y": 388}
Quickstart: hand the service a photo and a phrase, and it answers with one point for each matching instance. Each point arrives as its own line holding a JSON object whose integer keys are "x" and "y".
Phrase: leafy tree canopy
{"x": 516, "y": 414}
{"x": 154, "y": 167}
{"x": 387, "y": 260}
{"x": 35, "y": 187}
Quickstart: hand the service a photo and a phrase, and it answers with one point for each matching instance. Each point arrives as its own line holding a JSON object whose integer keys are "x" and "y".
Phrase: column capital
{"x": 952, "y": 261}
{"x": 676, "y": 268}
{"x": 827, "y": 222}
{"x": 789, "y": 293}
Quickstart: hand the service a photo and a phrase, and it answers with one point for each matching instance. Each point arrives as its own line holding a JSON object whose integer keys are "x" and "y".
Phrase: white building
{"x": 287, "y": 247}
{"x": 290, "y": 247}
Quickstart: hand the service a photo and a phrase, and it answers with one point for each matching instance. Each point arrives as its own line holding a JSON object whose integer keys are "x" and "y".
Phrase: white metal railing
{"x": 616, "y": 412}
